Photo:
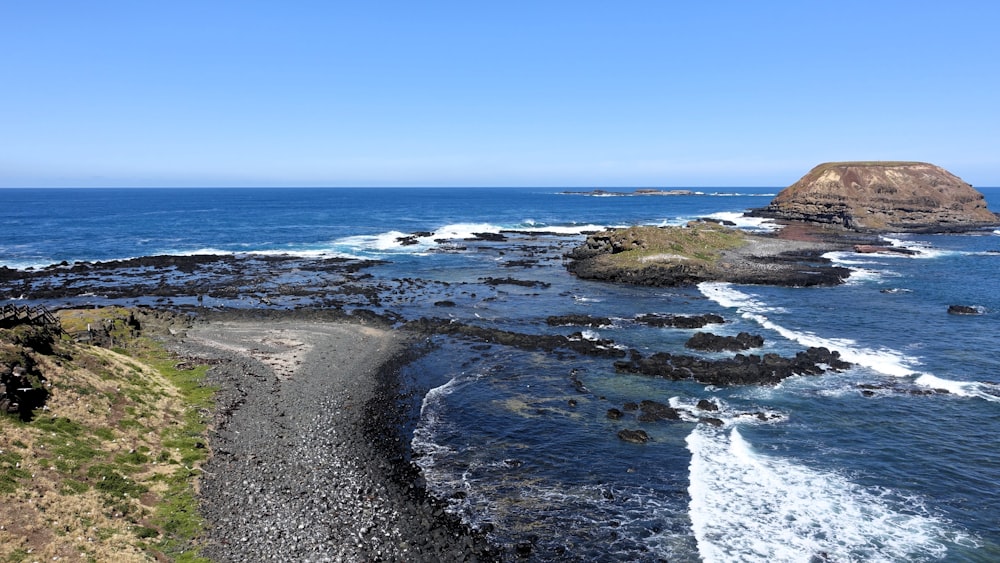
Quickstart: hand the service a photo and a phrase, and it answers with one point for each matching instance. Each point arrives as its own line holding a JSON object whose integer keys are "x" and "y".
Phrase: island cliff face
{"x": 883, "y": 196}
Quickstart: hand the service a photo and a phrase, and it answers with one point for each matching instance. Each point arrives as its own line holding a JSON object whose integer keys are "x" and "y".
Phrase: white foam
{"x": 688, "y": 410}
{"x": 846, "y": 258}
{"x": 861, "y": 275}
{"x": 883, "y": 360}
{"x": 982, "y": 390}
{"x": 424, "y": 442}
{"x": 726, "y": 295}
{"x": 746, "y": 506}
{"x": 745, "y": 222}
{"x": 561, "y": 230}
{"x": 922, "y": 249}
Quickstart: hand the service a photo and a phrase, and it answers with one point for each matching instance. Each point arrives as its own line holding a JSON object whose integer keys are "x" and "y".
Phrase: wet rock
{"x": 768, "y": 369}
{"x": 679, "y": 321}
{"x": 512, "y": 281}
{"x": 548, "y": 342}
{"x": 877, "y": 249}
{"x": 963, "y": 310}
{"x": 653, "y": 411}
{"x": 615, "y": 414}
{"x": 633, "y": 436}
{"x": 577, "y": 320}
{"x": 708, "y": 342}
{"x": 487, "y": 237}
{"x": 706, "y": 405}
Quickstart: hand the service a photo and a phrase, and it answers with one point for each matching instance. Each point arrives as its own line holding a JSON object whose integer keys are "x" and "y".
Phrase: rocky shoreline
{"x": 307, "y": 462}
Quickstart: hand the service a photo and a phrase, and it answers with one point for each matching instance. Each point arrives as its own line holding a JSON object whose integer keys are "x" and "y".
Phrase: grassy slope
{"x": 107, "y": 472}
{"x": 697, "y": 243}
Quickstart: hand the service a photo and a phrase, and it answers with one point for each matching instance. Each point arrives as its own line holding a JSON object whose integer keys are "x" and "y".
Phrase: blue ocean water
{"x": 519, "y": 440}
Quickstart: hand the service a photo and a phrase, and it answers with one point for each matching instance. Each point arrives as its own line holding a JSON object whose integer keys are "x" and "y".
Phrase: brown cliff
{"x": 883, "y": 196}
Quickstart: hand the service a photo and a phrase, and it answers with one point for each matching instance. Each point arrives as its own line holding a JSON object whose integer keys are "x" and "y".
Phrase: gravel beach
{"x": 306, "y": 461}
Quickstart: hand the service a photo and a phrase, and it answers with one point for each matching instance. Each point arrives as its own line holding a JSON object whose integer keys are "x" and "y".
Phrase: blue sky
{"x": 603, "y": 94}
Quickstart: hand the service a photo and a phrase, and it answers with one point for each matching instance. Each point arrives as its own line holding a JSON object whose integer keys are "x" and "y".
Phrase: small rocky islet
{"x": 836, "y": 206}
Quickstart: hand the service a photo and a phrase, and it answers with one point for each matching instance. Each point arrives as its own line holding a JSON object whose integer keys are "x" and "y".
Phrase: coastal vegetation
{"x": 107, "y": 468}
{"x": 698, "y": 252}
{"x": 699, "y": 242}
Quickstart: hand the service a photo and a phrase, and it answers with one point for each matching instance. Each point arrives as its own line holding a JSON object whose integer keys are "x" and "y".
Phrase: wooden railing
{"x": 12, "y": 315}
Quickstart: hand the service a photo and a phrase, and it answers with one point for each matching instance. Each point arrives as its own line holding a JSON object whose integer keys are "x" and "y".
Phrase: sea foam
{"x": 883, "y": 360}
{"x": 745, "y": 222}
{"x": 746, "y": 506}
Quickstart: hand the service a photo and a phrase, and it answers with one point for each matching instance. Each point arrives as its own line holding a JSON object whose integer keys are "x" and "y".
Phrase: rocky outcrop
{"x": 769, "y": 369}
{"x": 708, "y": 342}
{"x": 679, "y": 321}
{"x": 964, "y": 310}
{"x": 633, "y": 436}
{"x": 883, "y": 196}
{"x": 699, "y": 252}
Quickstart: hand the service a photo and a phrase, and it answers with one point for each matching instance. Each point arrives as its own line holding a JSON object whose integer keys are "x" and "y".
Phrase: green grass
{"x": 698, "y": 242}
{"x": 10, "y": 472}
{"x": 167, "y": 446}
{"x": 177, "y": 513}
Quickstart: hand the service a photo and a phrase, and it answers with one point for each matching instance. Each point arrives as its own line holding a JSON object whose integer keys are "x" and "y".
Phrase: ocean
{"x": 894, "y": 459}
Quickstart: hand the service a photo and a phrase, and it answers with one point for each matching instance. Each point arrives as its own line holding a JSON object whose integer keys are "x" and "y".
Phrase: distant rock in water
{"x": 963, "y": 310}
{"x": 883, "y": 196}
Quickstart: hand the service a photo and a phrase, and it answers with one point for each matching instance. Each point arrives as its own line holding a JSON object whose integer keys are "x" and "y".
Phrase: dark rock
{"x": 711, "y": 421}
{"x": 706, "y": 405}
{"x": 633, "y": 436}
{"x": 653, "y": 411}
{"x": 679, "y": 321}
{"x": 615, "y": 414}
{"x": 445, "y": 303}
{"x": 876, "y": 249}
{"x": 512, "y": 281}
{"x": 709, "y": 342}
{"x": 577, "y": 320}
{"x": 963, "y": 310}
{"x": 488, "y": 237}
{"x": 768, "y": 369}
{"x": 547, "y": 342}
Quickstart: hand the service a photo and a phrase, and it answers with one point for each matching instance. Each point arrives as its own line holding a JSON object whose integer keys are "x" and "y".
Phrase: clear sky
{"x": 512, "y": 93}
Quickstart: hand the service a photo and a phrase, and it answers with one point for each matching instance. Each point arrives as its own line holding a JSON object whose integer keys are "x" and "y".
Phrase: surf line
{"x": 748, "y": 506}
{"x": 885, "y": 361}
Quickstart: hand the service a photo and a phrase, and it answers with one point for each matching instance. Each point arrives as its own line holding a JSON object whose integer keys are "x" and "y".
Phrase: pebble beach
{"x": 306, "y": 462}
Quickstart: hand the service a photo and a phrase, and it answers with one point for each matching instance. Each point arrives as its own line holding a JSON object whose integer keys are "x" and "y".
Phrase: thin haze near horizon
{"x": 643, "y": 93}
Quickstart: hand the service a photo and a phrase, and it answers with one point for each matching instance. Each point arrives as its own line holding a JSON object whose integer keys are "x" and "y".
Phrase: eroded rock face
{"x": 883, "y": 196}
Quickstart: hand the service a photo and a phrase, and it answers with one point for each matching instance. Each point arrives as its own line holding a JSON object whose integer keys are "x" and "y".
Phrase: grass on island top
{"x": 697, "y": 243}
{"x": 108, "y": 470}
